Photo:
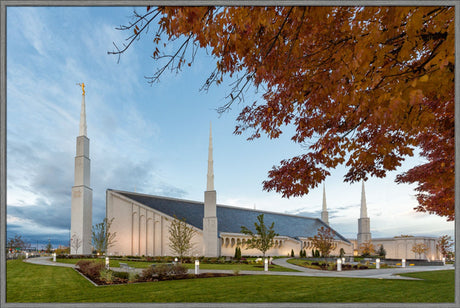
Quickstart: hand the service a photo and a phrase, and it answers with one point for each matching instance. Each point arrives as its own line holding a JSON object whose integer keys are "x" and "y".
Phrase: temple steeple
{"x": 82, "y": 112}
{"x": 364, "y": 232}
{"x": 211, "y": 247}
{"x": 210, "y": 177}
{"x": 324, "y": 213}
{"x": 363, "y": 203}
{"x": 82, "y": 194}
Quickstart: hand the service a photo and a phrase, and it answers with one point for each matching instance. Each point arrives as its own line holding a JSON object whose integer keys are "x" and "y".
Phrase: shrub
{"x": 178, "y": 270}
{"x": 148, "y": 272}
{"x": 164, "y": 270}
{"x": 83, "y": 264}
{"x": 121, "y": 275}
{"x": 133, "y": 276}
{"x": 94, "y": 269}
{"x": 292, "y": 252}
{"x": 106, "y": 275}
{"x": 161, "y": 270}
{"x": 187, "y": 260}
{"x": 91, "y": 269}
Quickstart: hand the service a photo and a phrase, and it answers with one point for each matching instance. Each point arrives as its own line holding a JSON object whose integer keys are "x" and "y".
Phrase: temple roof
{"x": 231, "y": 218}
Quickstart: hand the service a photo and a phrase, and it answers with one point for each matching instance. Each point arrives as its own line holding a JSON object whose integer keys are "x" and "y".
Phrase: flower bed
{"x": 97, "y": 273}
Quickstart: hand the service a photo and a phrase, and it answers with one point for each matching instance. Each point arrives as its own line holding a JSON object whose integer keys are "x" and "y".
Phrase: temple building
{"x": 142, "y": 221}
{"x": 398, "y": 247}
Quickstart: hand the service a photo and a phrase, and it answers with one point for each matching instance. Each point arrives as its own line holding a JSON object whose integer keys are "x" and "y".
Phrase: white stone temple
{"x": 396, "y": 247}
{"x": 142, "y": 221}
{"x": 82, "y": 194}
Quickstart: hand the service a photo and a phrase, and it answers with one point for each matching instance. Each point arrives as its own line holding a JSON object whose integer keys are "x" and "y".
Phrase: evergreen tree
{"x": 237, "y": 253}
{"x": 381, "y": 252}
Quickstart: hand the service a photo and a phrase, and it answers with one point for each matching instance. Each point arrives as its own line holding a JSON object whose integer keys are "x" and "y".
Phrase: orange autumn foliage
{"x": 365, "y": 86}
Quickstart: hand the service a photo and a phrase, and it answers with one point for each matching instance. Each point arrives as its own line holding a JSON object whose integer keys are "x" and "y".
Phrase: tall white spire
{"x": 210, "y": 181}
{"x": 211, "y": 244}
{"x": 364, "y": 222}
{"x": 324, "y": 213}
{"x": 82, "y": 112}
{"x": 363, "y": 203}
{"x": 82, "y": 194}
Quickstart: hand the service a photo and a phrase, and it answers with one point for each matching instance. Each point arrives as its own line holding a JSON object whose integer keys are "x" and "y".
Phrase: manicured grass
{"x": 225, "y": 266}
{"x": 304, "y": 263}
{"x": 39, "y": 283}
{"x": 308, "y": 264}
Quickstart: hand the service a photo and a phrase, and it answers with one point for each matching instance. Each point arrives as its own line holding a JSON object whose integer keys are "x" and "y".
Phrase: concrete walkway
{"x": 384, "y": 273}
{"x": 47, "y": 261}
{"x": 387, "y": 273}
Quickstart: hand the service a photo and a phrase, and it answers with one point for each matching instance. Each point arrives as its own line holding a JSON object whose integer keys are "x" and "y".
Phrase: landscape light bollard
{"x": 54, "y": 257}
{"x": 403, "y": 263}
{"x": 343, "y": 260}
{"x": 443, "y": 261}
{"x": 175, "y": 260}
{"x": 377, "y": 263}
{"x": 339, "y": 265}
{"x": 197, "y": 267}
{"x": 266, "y": 265}
{"x": 27, "y": 256}
{"x": 107, "y": 262}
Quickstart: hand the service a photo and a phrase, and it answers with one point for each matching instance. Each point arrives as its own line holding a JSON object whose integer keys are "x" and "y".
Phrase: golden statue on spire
{"x": 82, "y": 87}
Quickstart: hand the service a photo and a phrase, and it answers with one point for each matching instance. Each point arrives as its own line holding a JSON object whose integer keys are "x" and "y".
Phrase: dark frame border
{"x": 3, "y": 105}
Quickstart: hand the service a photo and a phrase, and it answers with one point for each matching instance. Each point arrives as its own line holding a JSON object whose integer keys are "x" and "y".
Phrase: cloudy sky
{"x": 149, "y": 139}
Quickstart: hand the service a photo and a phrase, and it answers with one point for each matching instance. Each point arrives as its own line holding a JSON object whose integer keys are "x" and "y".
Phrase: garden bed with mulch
{"x": 118, "y": 280}
{"x": 99, "y": 275}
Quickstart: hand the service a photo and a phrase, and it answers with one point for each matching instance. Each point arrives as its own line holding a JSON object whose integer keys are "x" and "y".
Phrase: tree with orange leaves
{"x": 362, "y": 86}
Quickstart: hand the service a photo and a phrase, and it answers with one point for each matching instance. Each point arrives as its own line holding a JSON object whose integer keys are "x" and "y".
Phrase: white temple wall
{"x": 401, "y": 248}
{"x": 282, "y": 247}
{"x": 142, "y": 230}
{"x": 229, "y": 241}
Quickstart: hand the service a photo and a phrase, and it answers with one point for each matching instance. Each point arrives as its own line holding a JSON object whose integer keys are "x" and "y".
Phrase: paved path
{"x": 384, "y": 273}
{"x": 47, "y": 261}
{"x": 387, "y": 273}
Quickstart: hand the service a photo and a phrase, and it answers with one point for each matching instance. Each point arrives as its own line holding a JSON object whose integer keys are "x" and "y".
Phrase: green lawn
{"x": 308, "y": 264}
{"x": 226, "y": 266}
{"x": 39, "y": 283}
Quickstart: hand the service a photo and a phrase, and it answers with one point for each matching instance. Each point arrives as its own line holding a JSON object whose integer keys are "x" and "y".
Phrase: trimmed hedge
{"x": 164, "y": 271}
{"x": 92, "y": 269}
